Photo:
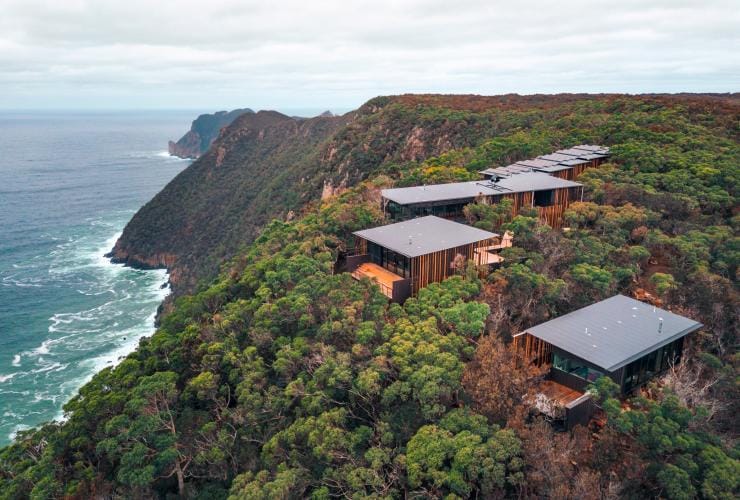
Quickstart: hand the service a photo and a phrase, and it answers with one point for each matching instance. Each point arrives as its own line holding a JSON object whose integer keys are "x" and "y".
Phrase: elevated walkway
{"x": 489, "y": 255}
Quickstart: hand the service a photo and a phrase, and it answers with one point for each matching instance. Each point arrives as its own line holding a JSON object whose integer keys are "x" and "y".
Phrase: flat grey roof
{"x": 533, "y": 181}
{"x": 506, "y": 171}
{"x": 594, "y": 148}
{"x": 537, "y": 163}
{"x": 463, "y": 191}
{"x": 424, "y": 235}
{"x": 555, "y": 168}
{"x": 574, "y": 161}
{"x": 555, "y": 157}
{"x": 438, "y": 192}
{"x": 578, "y": 153}
{"x": 562, "y": 159}
{"x": 614, "y": 332}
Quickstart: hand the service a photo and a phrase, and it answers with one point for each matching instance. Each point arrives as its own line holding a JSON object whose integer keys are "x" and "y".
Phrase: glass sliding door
{"x": 642, "y": 370}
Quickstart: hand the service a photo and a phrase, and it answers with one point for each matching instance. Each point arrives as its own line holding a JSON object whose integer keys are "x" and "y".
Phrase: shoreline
{"x": 118, "y": 342}
{"x": 114, "y": 357}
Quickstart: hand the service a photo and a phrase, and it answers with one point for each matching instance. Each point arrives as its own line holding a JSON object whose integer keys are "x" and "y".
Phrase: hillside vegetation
{"x": 284, "y": 379}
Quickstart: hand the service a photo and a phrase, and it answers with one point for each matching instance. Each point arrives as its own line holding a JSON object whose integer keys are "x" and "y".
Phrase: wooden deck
{"x": 484, "y": 257}
{"x": 558, "y": 393}
{"x": 488, "y": 255}
{"x": 383, "y": 277}
{"x": 552, "y": 398}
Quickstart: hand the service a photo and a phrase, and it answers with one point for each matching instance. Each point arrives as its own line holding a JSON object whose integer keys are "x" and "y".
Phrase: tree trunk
{"x": 180, "y": 480}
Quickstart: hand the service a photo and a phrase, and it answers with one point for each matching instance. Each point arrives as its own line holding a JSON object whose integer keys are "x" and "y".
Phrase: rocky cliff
{"x": 257, "y": 169}
{"x": 203, "y": 131}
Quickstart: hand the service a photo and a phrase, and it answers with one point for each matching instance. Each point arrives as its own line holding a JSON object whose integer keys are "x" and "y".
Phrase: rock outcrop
{"x": 203, "y": 131}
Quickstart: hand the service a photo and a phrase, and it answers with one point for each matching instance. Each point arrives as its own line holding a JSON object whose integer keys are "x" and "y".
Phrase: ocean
{"x": 69, "y": 182}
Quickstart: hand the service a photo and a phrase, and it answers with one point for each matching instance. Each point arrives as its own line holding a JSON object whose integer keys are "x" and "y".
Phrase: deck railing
{"x": 358, "y": 274}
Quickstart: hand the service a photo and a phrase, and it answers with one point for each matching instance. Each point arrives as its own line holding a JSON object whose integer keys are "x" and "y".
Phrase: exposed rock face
{"x": 203, "y": 132}
{"x": 252, "y": 173}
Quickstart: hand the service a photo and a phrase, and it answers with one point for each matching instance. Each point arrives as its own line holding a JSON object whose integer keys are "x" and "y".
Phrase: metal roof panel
{"x": 467, "y": 191}
{"x": 424, "y": 235}
{"x": 614, "y": 332}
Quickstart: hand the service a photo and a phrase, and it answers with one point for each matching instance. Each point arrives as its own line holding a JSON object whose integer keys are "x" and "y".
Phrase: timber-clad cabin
{"x": 621, "y": 338}
{"x": 564, "y": 163}
{"x": 406, "y": 256}
{"x": 549, "y": 195}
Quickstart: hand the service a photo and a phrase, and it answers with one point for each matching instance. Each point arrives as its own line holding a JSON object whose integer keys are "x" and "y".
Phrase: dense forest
{"x": 285, "y": 379}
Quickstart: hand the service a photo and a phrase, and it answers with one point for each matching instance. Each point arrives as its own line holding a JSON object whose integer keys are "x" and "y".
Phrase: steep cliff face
{"x": 203, "y": 131}
{"x": 256, "y": 170}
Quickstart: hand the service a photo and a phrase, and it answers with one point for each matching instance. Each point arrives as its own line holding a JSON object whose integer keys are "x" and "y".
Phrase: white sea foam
{"x": 52, "y": 367}
{"x": 42, "y": 349}
{"x": 96, "y": 311}
{"x": 89, "y": 329}
{"x": 79, "y": 343}
{"x": 168, "y": 156}
{"x": 21, "y": 282}
{"x": 18, "y": 428}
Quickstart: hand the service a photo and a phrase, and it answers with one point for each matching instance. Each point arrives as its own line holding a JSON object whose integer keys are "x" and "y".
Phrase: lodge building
{"x": 621, "y": 338}
{"x": 548, "y": 194}
{"x": 406, "y": 256}
{"x": 564, "y": 163}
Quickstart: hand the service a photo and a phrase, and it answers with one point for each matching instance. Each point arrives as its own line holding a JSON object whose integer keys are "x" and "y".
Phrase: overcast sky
{"x": 223, "y": 54}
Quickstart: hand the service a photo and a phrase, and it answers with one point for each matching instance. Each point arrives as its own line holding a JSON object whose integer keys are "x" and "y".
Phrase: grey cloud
{"x": 229, "y": 53}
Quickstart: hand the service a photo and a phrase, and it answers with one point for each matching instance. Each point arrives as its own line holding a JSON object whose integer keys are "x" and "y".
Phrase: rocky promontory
{"x": 203, "y": 132}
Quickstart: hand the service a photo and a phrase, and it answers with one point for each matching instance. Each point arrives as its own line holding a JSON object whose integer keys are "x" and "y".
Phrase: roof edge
{"x": 655, "y": 347}
{"x": 378, "y": 243}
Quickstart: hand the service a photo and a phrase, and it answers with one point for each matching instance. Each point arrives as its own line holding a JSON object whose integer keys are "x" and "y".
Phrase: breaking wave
{"x": 79, "y": 342}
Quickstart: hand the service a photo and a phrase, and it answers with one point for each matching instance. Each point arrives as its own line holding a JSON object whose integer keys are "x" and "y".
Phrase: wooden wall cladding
{"x": 552, "y": 215}
{"x": 534, "y": 350}
{"x": 437, "y": 266}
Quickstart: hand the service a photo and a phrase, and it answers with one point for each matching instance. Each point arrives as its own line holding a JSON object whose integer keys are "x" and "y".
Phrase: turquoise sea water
{"x": 68, "y": 185}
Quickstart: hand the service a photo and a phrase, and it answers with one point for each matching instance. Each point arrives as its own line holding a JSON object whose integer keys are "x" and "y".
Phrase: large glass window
{"x": 395, "y": 211}
{"x": 544, "y": 198}
{"x": 394, "y": 262}
{"x": 575, "y": 367}
{"x": 641, "y": 370}
{"x": 376, "y": 253}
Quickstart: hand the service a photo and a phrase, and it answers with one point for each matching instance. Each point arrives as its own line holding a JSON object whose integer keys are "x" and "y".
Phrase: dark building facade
{"x": 621, "y": 338}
